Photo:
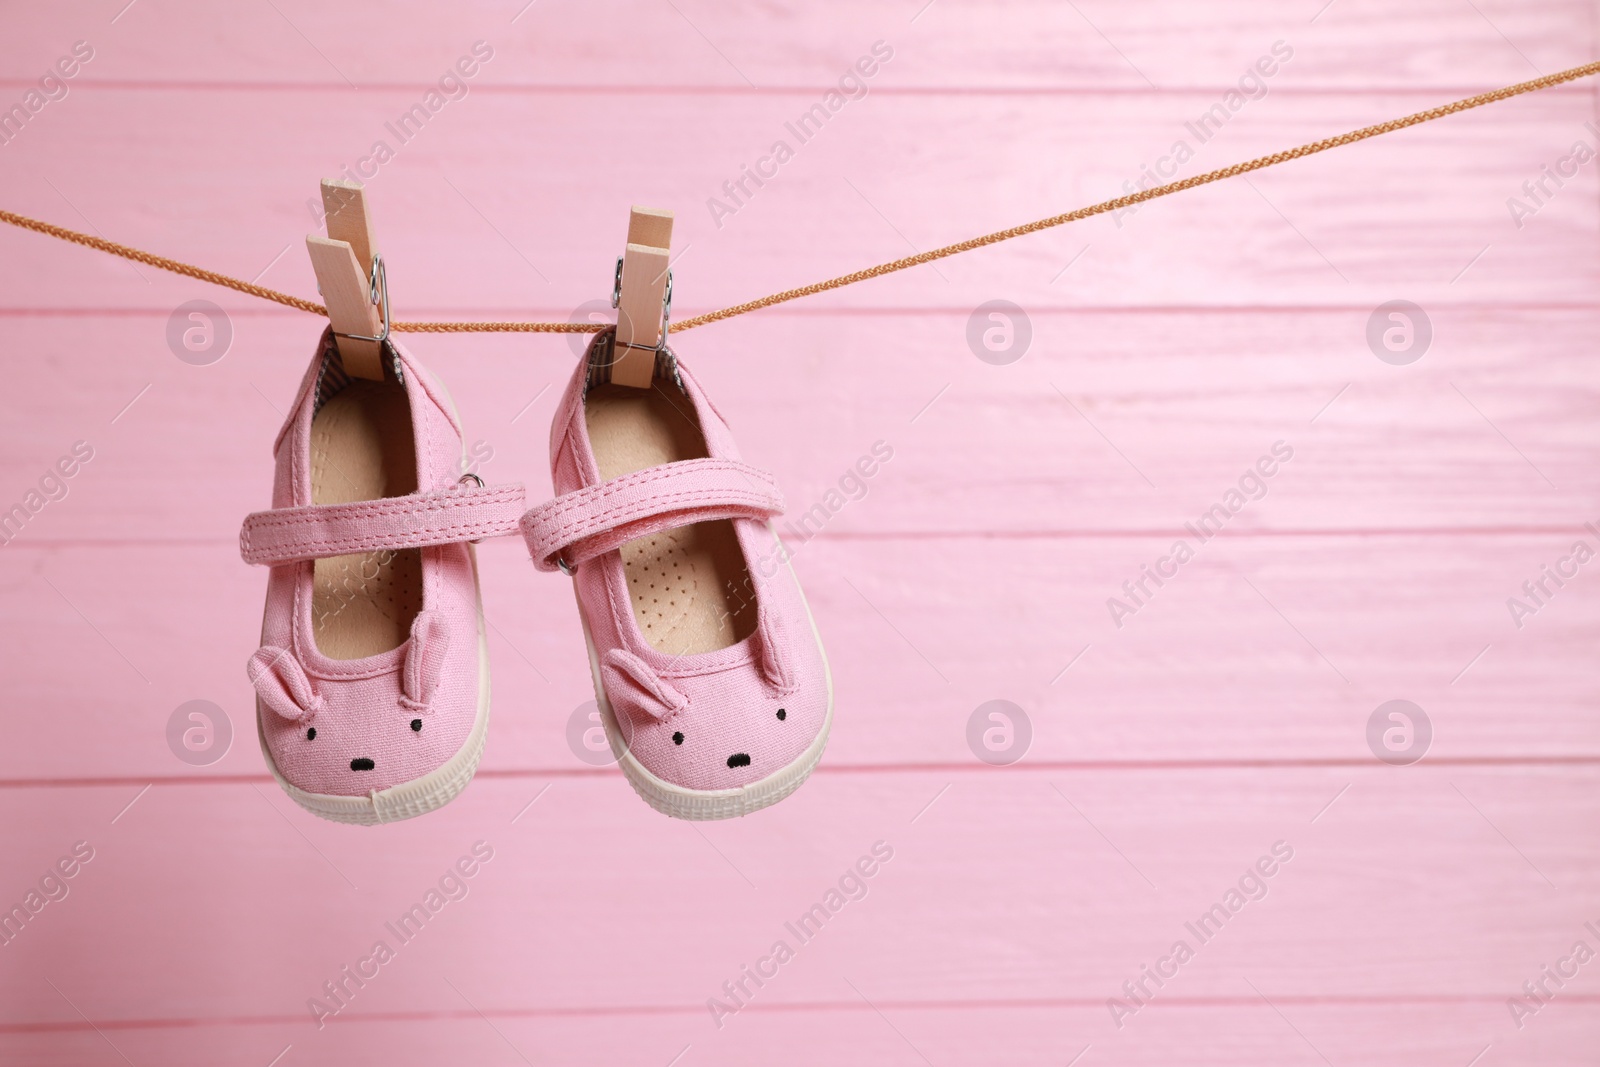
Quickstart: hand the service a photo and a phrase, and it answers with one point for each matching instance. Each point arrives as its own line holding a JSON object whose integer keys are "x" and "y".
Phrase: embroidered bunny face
{"x": 352, "y": 755}
{"x": 708, "y": 731}
{"x": 738, "y": 759}
{"x": 391, "y": 733}
{"x": 363, "y": 763}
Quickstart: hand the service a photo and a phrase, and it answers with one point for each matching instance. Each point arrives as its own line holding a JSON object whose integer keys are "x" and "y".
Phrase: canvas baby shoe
{"x": 372, "y": 680}
{"x": 709, "y": 673}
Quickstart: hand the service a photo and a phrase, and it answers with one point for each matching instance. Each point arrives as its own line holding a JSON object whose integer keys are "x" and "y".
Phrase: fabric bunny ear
{"x": 282, "y": 684}
{"x": 430, "y": 639}
{"x": 631, "y": 685}
{"x": 773, "y": 643}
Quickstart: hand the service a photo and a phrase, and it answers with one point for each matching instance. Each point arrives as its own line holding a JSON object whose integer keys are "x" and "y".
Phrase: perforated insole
{"x": 362, "y": 449}
{"x": 689, "y": 587}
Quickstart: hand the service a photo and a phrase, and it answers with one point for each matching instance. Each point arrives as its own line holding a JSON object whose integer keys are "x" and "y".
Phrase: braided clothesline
{"x": 1260, "y": 163}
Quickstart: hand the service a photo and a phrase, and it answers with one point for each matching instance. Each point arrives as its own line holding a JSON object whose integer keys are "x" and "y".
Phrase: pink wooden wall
{"x": 1168, "y": 353}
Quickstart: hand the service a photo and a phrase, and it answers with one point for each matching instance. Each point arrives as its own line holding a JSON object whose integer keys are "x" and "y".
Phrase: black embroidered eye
{"x": 416, "y": 724}
{"x": 677, "y": 738}
{"x": 782, "y": 714}
{"x": 311, "y": 734}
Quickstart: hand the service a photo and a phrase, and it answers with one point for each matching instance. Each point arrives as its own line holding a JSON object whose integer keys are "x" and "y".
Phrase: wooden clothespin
{"x": 642, "y": 296}
{"x": 351, "y": 277}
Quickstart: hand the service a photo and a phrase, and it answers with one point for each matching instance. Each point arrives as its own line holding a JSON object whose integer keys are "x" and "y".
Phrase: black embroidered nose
{"x": 364, "y": 764}
{"x": 738, "y": 759}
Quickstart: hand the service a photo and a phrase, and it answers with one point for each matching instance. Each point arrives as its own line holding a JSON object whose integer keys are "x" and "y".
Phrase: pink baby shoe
{"x": 372, "y": 680}
{"x": 709, "y": 672}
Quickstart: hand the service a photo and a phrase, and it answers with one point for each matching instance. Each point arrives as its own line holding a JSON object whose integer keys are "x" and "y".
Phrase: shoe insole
{"x": 689, "y": 586}
{"x": 362, "y": 449}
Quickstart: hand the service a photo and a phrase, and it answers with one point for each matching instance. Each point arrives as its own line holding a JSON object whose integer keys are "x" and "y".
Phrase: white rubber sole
{"x": 419, "y": 796}
{"x": 705, "y": 804}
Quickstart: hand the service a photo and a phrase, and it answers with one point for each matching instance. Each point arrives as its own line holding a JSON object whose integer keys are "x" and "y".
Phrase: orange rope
{"x": 1260, "y": 163}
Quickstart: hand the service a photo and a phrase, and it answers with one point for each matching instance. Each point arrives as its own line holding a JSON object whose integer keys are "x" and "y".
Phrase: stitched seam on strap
{"x": 586, "y": 515}
{"x": 555, "y": 511}
{"x": 405, "y": 538}
{"x": 287, "y": 541}
{"x": 387, "y": 507}
{"x": 559, "y": 514}
{"x": 660, "y": 505}
{"x": 676, "y": 469}
{"x": 420, "y": 537}
{"x": 584, "y": 498}
{"x": 548, "y": 539}
{"x": 419, "y": 527}
{"x": 581, "y": 549}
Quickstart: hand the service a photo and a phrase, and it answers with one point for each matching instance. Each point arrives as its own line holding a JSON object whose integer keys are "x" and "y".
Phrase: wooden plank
{"x": 1384, "y": 1035}
{"x": 1009, "y": 44}
{"x": 1110, "y": 423}
{"x": 1275, "y": 649}
{"x": 874, "y": 186}
{"x": 957, "y": 914}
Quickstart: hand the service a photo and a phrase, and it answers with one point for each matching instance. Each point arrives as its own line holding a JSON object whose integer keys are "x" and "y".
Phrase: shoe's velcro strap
{"x": 441, "y": 517}
{"x": 581, "y": 525}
